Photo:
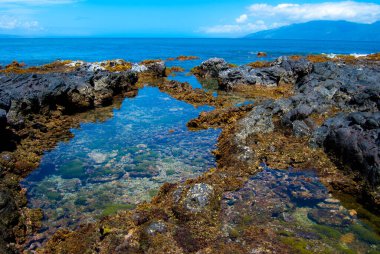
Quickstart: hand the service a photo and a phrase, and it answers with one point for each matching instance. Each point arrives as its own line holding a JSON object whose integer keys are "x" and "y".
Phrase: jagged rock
{"x": 282, "y": 71}
{"x": 355, "y": 140}
{"x": 211, "y": 68}
{"x": 198, "y": 197}
{"x": 76, "y": 91}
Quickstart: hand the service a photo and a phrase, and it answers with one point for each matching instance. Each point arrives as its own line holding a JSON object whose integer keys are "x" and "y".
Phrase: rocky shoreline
{"x": 309, "y": 114}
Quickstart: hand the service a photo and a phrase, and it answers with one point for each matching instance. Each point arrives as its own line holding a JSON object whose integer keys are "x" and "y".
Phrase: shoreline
{"x": 233, "y": 169}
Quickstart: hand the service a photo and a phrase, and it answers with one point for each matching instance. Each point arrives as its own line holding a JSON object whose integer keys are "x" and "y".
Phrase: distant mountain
{"x": 323, "y": 30}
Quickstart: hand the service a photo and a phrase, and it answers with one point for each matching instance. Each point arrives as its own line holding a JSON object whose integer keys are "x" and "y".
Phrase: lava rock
{"x": 211, "y": 68}
{"x": 355, "y": 140}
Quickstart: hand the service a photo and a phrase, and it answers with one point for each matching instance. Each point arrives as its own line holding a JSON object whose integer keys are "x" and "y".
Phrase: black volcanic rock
{"x": 354, "y": 139}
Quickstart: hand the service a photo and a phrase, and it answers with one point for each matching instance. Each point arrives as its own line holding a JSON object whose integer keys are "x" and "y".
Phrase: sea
{"x": 238, "y": 51}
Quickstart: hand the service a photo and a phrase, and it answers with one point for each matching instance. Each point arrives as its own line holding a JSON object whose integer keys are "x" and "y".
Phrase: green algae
{"x": 72, "y": 169}
{"x": 297, "y": 244}
{"x": 365, "y": 235}
{"x": 114, "y": 208}
{"x": 51, "y": 195}
{"x": 326, "y": 231}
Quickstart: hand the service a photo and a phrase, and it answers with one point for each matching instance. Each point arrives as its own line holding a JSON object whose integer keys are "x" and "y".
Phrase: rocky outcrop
{"x": 87, "y": 87}
{"x": 320, "y": 91}
{"x": 211, "y": 68}
{"x": 354, "y": 139}
{"x": 282, "y": 71}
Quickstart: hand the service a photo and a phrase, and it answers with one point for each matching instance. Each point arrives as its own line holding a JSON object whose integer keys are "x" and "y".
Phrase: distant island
{"x": 323, "y": 30}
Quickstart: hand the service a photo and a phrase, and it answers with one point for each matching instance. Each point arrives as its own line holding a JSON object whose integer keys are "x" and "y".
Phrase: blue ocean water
{"x": 238, "y": 51}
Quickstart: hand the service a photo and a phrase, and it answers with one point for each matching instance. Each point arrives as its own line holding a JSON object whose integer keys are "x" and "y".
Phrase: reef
{"x": 311, "y": 133}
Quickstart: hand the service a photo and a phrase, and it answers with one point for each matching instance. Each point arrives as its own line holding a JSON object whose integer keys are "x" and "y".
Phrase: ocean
{"x": 238, "y": 51}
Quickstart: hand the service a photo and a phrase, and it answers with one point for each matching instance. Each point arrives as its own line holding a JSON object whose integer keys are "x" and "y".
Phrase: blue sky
{"x": 171, "y": 18}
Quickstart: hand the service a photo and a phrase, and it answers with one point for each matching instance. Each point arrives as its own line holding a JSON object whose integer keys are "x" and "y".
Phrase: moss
{"x": 326, "y": 231}
{"x": 114, "y": 208}
{"x": 365, "y": 234}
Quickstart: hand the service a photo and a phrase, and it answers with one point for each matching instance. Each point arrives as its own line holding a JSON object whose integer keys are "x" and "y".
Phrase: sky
{"x": 171, "y": 18}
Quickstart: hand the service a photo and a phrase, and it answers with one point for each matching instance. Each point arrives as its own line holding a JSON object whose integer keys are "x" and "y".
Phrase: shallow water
{"x": 121, "y": 162}
{"x": 299, "y": 208}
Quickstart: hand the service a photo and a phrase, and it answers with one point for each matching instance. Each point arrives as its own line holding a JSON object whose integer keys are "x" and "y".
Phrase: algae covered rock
{"x": 198, "y": 197}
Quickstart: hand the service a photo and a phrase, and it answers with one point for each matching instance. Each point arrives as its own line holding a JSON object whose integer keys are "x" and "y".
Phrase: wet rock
{"x": 354, "y": 139}
{"x": 282, "y": 71}
{"x": 198, "y": 197}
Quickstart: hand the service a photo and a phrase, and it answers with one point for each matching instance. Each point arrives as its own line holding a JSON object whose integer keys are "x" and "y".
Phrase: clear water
{"x": 121, "y": 162}
{"x": 300, "y": 209}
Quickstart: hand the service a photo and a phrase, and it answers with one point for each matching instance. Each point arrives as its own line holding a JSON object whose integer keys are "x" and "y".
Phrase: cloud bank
{"x": 264, "y": 16}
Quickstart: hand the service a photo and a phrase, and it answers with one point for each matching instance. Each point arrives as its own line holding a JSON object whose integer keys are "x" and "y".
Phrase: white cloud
{"x": 243, "y": 18}
{"x": 264, "y": 16}
{"x": 13, "y": 23}
{"x": 348, "y": 10}
{"x": 238, "y": 28}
